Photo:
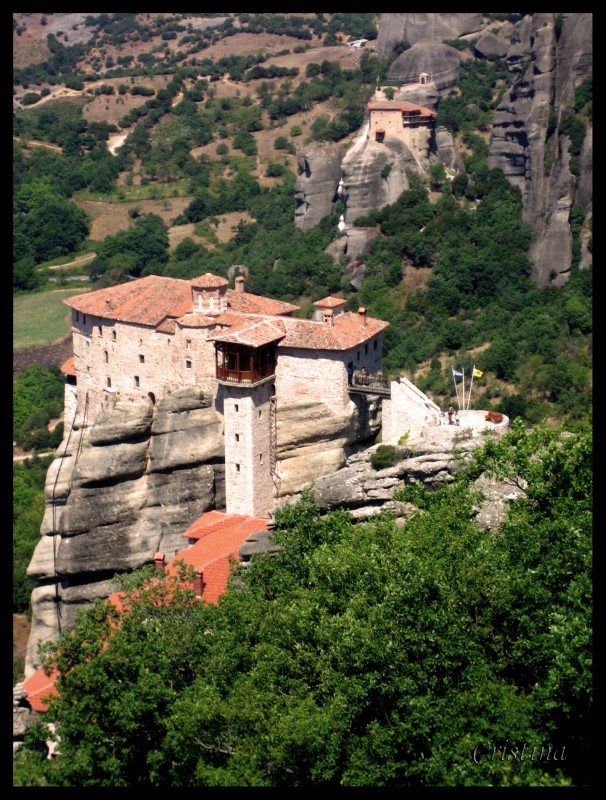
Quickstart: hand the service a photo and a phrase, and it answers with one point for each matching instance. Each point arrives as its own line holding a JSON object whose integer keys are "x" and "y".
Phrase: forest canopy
{"x": 369, "y": 654}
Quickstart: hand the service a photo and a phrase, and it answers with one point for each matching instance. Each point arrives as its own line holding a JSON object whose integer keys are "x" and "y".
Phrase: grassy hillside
{"x": 41, "y": 319}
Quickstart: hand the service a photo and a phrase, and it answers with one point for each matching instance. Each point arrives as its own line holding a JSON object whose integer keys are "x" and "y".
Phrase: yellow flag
{"x": 477, "y": 373}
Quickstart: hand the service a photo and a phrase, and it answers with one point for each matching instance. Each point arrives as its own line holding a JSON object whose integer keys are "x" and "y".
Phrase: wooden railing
{"x": 245, "y": 375}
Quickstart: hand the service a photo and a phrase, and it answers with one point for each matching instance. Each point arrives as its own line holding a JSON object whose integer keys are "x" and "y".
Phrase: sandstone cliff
{"x": 129, "y": 485}
{"x": 523, "y": 144}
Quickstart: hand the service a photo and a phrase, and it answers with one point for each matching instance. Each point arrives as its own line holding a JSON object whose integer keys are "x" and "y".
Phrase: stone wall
{"x": 248, "y": 481}
{"x": 408, "y": 411}
{"x": 113, "y": 355}
{"x": 416, "y": 137}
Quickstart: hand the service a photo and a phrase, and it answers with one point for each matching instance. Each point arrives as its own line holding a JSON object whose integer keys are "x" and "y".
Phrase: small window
{"x": 237, "y": 437}
{"x": 260, "y": 414}
{"x": 365, "y": 348}
{"x": 84, "y": 319}
{"x": 188, "y": 344}
{"x": 106, "y": 354}
{"x": 109, "y": 381}
{"x": 100, "y": 331}
{"x": 188, "y": 363}
{"x": 358, "y": 356}
{"x": 375, "y": 344}
{"x": 77, "y": 316}
{"x": 141, "y": 359}
{"x": 260, "y": 458}
{"x": 237, "y": 467}
{"x": 136, "y": 381}
{"x": 236, "y": 407}
{"x": 114, "y": 335}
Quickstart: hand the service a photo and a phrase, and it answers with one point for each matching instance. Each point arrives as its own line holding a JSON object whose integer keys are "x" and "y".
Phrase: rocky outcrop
{"x": 440, "y": 61}
{"x": 532, "y": 153}
{"x": 446, "y": 150}
{"x": 352, "y": 244}
{"x": 313, "y": 440}
{"x": 364, "y": 491}
{"x": 316, "y": 187}
{"x": 419, "y": 27}
{"x": 375, "y": 175}
{"x": 489, "y": 45}
{"x": 129, "y": 485}
{"x": 116, "y": 493}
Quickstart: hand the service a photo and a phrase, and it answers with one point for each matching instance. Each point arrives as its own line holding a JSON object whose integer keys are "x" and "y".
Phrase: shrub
{"x": 384, "y": 456}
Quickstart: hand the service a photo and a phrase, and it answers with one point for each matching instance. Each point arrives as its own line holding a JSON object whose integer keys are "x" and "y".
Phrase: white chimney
{"x": 239, "y": 283}
{"x": 362, "y": 313}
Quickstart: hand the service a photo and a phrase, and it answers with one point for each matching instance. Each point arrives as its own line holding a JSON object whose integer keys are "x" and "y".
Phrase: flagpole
{"x": 470, "y": 387}
{"x": 454, "y": 380}
{"x": 463, "y": 373}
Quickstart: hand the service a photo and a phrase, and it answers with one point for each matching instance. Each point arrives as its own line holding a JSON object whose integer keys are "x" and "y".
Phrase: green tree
{"x": 366, "y": 654}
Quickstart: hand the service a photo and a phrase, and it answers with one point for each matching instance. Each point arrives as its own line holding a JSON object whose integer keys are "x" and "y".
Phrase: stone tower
{"x": 249, "y": 417}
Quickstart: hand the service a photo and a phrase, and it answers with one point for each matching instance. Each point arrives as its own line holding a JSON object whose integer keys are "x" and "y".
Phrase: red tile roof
{"x": 146, "y": 301}
{"x": 329, "y": 302}
{"x": 248, "y": 303}
{"x": 196, "y": 320}
{"x": 347, "y": 330}
{"x": 252, "y": 334}
{"x": 399, "y": 105}
{"x": 153, "y": 299}
{"x": 208, "y": 281}
{"x": 219, "y": 536}
{"x": 38, "y": 687}
{"x": 68, "y": 367}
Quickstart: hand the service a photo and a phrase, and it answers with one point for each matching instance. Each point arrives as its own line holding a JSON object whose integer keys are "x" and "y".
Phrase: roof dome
{"x": 208, "y": 281}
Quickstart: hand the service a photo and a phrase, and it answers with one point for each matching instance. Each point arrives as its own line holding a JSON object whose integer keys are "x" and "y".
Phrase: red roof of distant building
{"x": 399, "y": 105}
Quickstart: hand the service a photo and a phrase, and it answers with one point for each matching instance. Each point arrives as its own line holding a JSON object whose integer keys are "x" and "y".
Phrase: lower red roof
{"x": 219, "y": 536}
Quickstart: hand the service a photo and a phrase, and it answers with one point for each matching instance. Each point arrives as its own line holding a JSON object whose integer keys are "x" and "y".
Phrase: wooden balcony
{"x": 245, "y": 366}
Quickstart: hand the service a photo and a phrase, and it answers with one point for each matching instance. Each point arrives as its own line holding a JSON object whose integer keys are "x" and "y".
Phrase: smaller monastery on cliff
{"x": 409, "y": 122}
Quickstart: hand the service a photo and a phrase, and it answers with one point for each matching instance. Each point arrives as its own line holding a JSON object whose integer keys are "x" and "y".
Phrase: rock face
{"x": 129, "y": 486}
{"x": 446, "y": 150}
{"x": 375, "y": 175}
{"x": 316, "y": 187}
{"x": 489, "y": 45}
{"x": 524, "y": 143}
{"x": 365, "y": 491}
{"x": 117, "y": 493}
{"x": 352, "y": 244}
{"x": 419, "y": 27}
{"x": 440, "y": 61}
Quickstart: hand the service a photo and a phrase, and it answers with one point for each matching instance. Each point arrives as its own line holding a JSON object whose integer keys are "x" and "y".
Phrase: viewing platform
{"x": 374, "y": 383}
